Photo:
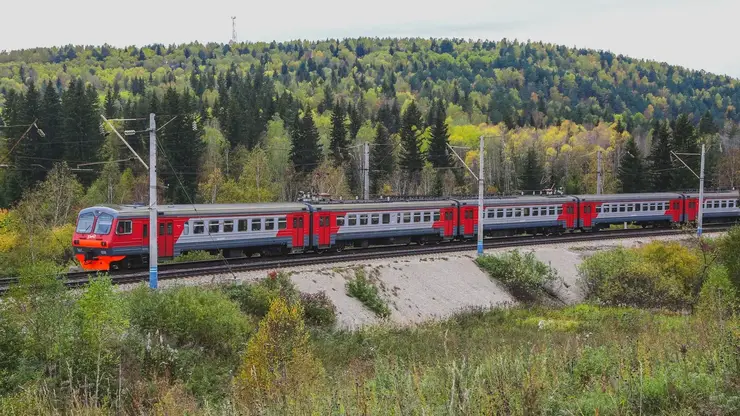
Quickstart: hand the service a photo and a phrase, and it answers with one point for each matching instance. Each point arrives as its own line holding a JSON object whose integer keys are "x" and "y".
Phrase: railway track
{"x": 193, "y": 269}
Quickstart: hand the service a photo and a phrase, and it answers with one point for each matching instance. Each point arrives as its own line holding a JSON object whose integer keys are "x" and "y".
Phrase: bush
{"x": 254, "y": 299}
{"x": 718, "y": 296}
{"x": 523, "y": 275}
{"x": 729, "y": 255}
{"x": 318, "y": 309}
{"x": 362, "y": 289}
{"x": 278, "y": 361}
{"x": 656, "y": 275}
{"x": 190, "y": 317}
{"x": 197, "y": 255}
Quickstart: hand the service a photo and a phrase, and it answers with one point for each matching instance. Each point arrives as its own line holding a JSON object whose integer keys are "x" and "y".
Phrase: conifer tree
{"x": 355, "y": 120}
{"x": 706, "y": 125}
{"x": 381, "y": 158}
{"x": 685, "y": 141}
{"x": 531, "y": 178}
{"x": 631, "y": 170}
{"x": 412, "y": 160}
{"x": 438, "y": 154}
{"x": 305, "y": 152}
{"x": 660, "y": 165}
{"x": 79, "y": 129}
{"x": 338, "y": 141}
{"x": 50, "y": 122}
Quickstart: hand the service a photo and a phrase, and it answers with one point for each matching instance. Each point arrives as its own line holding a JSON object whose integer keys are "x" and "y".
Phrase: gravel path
{"x": 420, "y": 288}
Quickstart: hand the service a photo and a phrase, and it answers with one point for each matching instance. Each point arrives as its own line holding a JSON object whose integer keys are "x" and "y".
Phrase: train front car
{"x": 645, "y": 209}
{"x": 104, "y": 236}
{"x": 517, "y": 215}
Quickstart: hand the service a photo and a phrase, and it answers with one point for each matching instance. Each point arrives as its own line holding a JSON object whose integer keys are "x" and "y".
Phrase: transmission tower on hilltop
{"x": 233, "y": 30}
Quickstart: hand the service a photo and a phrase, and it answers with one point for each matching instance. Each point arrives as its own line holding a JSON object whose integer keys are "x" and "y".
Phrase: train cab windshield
{"x": 85, "y": 223}
{"x": 104, "y": 224}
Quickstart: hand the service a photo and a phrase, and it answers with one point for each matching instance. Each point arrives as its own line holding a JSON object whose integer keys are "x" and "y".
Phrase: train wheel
{"x": 339, "y": 248}
{"x": 422, "y": 241}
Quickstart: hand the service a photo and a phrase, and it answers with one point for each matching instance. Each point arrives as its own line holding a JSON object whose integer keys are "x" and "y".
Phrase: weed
{"x": 364, "y": 290}
{"x": 523, "y": 275}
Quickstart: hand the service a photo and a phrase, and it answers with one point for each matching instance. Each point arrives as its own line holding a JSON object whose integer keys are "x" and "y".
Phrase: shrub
{"x": 278, "y": 361}
{"x": 364, "y": 290}
{"x": 729, "y": 250}
{"x": 191, "y": 317}
{"x": 197, "y": 255}
{"x": 656, "y": 275}
{"x": 318, "y": 309}
{"x": 255, "y": 299}
{"x": 718, "y": 296}
{"x": 523, "y": 275}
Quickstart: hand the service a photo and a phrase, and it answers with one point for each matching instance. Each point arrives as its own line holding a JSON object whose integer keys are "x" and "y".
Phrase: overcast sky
{"x": 697, "y": 34}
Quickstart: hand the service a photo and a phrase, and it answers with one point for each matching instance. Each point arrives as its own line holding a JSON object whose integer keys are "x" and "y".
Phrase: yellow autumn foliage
{"x": 278, "y": 365}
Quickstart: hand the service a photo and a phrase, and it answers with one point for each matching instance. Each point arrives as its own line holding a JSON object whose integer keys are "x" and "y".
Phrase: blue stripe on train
{"x": 512, "y": 226}
{"x": 368, "y": 235}
{"x": 222, "y": 244}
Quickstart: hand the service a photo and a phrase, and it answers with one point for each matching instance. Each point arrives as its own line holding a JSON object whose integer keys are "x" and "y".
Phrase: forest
{"x": 264, "y": 121}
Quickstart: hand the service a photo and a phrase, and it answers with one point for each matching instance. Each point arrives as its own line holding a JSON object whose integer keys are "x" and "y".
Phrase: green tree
{"x": 631, "y": 169}
{"x": 685, "y": 141}
{"x": 382, "y": 162}
{"x": 338, "y": 147}
{"x": 438, "y": 154}
{"x": 305, "y": 152}
{"x": 531, "y": 177}
{"x": 412, "y": 159}
{"x": 661, "y": 166}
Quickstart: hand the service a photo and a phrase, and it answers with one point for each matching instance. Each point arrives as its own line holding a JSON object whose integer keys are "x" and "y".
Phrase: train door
{"x": 449, "y": 222}
{"x": 324, "y": 229}
{"x": 299, "y": 231}
{"x": 469, "y": 220}
{"x": 165, "y": 238}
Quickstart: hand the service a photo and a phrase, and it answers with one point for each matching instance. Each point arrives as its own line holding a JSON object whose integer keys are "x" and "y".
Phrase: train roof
{"x": 728, "y": 194}
{"x": 380, "y": 205}
{"x": 526, "y": 199}
{"x": 647, "y": 196}
{"x": 201, "y": 209}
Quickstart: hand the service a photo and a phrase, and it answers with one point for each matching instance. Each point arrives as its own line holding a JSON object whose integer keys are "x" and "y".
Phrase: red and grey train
{"x": 114, "y": 237}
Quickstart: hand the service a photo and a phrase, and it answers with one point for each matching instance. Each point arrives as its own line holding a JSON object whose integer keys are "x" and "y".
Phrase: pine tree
{"x": 355, "y": 120}
{"x": 685, "y": 141}
{"x": 338, "y": 142}
{"x": 79, "y": 130}
{"x": 631, "y": 170}
{"x": 438, "y": 154}
{"x": 706, "y": 125}
{"x": 110, "y": 106}
{"x": 381, "y": 158}
{"x": 305, "y": 152}
{"x": 412, "y": 160}
{"x": 660, "y": 165}
{"x": 328, "y": 102}
{"x": 531, "y": 178}
{"x": 50, "y": 122}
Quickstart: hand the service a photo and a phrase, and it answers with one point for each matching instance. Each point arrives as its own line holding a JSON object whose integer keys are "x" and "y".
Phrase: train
{"x": 113, "y": 237}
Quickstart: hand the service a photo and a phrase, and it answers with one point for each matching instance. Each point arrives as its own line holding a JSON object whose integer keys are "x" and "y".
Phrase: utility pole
{"x": 480, "y": 199}
{"x": 479, "y": 178}
{"x": 153, "y": 249}
{"x": 599, "y": 186}
{"x": 700, "y": 176}
{"x": 366, "y": 169}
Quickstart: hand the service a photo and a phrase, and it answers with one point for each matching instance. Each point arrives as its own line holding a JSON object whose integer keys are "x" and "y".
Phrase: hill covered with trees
{"x": 263, "y": 121}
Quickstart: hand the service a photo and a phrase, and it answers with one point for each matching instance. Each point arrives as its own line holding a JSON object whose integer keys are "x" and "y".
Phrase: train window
{"x": 340, "y": 221}
{"x": 490, "y": 213}
{"x": 526, "y": 212}
{"x": 213, "y": 227}
{"x": 427, "y": 216}
{"x": 724, "y": 204}
{"x": 363, "y": 219}
{"x": 448, "y": 216}
{"x": 198, "y": 227}
{"x": 386, "y": 218}
{"x": 145, "y": 231}
{"x": 675, "y": 206}
{"x": 228, "y": 226}
{"x": 417, "y": 216}
{"x": 104, "y": 224}
{"x": 85, "y": 223}
{"x": 186, "y": 228}
{"x": 282, "y": 223}
{"x": 375, "y": 219}
{"x": 570, "y": 209}
{"x": 517, "y": 212}
{"x": 243, "y": 225}
{"x": 436, "y": 216}
{"x": 652, "y": 207}
{"x": 630, "y": 207}
{"x": 587, "y": 209}
{"x": 169, "y": 228}
{"x": 351, "y": 219}
{"x": 621, "y": 208}
{"x": 535, "y": 211}
{"x": 560, "y": 210}
{"x": 499, "y": 213}
{"x": 637, "y": 207}
{"x": 692, "y": 205}
{"x": 716, "y": 205}
{"x": 551, "y": 211}
{"x": 161, "y": 229}
{"x": 256, "y": 224}
{"x": 270, "y": 223}
{"x": 124, "y": 227}
{"x": 469, "y": 214}
{"x": 406, "y": 217}
{"x": 509, "y": 213}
